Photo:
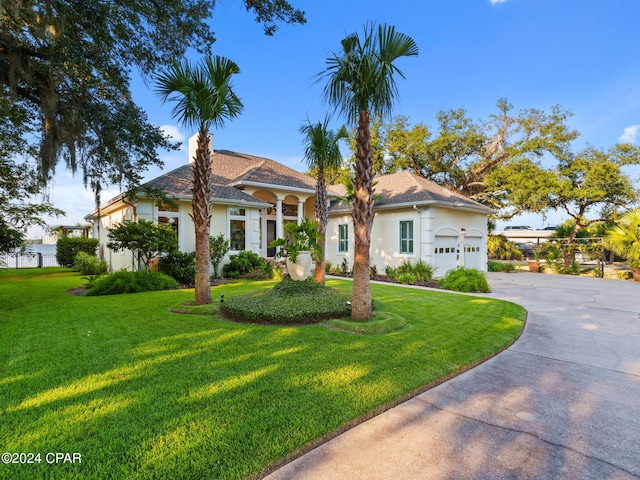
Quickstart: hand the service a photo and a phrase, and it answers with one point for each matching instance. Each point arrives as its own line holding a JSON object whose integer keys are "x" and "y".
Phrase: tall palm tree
{"x": 322, "y": 152}
{"x": 360, "y": 83}
{"x": 204, "y": 98}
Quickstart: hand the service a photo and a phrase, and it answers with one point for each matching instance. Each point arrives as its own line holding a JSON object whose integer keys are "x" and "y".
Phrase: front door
{"x": 271, "y": 236}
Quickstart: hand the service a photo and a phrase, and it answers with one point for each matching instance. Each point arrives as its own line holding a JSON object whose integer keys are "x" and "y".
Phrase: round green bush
{"x": 465, "y": 280}
{"x": 125, "y": 281}
{"x": 289, "y": 302}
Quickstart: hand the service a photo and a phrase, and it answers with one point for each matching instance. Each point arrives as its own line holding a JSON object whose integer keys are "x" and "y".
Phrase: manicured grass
{"x": 144, "y": 393}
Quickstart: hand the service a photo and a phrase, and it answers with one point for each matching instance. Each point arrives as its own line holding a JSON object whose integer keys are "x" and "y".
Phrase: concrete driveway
{"x": 562, "y": 402}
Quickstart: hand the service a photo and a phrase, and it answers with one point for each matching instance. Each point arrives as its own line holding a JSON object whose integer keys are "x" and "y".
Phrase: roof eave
{"x": 427, "y": 203}
{"x": 246, "y": 183}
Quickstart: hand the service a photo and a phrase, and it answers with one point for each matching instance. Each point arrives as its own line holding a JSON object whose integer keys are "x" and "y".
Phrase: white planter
{"x": 301, "y": 270}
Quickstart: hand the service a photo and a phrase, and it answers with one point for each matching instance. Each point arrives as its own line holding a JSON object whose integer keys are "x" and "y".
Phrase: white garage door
{"x": 445, "y": 254}
{"x": 472, "y": 256}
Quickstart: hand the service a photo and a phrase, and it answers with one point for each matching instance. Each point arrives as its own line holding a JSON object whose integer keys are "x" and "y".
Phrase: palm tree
{"x": 204, "y": 98}
{"x": 360, "y": 83}
{"x": 322, "y": 152}
{"x": 624, "y": 238}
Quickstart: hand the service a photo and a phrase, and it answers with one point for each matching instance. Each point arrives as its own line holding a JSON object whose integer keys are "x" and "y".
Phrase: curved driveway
{"x": 562, "y": 402}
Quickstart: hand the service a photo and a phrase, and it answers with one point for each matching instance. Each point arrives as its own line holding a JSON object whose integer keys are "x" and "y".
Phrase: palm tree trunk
{"x": 201, "y": 205}
{"x": 362, "y": 221}
{"x": 322, "y": 217}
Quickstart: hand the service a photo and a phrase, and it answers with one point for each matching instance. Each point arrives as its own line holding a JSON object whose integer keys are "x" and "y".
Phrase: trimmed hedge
{"x": 125, "y": 281}
{"x": 289, "y": 302}
{"x": 68, "y": 247}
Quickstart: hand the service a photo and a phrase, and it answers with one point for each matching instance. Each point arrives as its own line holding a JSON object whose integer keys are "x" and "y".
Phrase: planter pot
{"x": 301, "y": 270}
{"x": 636, "y": 274}
{"x": 534, "y": 266}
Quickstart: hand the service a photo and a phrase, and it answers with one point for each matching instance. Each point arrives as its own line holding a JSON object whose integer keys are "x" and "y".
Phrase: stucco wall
{"x": 146, "y": 209}
{"x": 430, "y": 224}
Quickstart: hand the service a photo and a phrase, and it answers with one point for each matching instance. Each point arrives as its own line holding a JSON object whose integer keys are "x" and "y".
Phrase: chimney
{"x": 193, "y": 144}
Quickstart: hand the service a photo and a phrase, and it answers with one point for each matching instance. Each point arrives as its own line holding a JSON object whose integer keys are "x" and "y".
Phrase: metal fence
{"x": 28, "y": 260}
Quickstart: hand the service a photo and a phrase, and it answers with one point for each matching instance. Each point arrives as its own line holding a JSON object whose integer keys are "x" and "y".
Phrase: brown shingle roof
{"x": 408, "y": 188}
{"x": 232, "y": 168}
{"x": 263, "y": 170}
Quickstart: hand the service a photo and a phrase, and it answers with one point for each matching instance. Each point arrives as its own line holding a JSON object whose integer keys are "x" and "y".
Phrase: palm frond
{"x": 202, "y": 93}
{"x": 361, "y": 76}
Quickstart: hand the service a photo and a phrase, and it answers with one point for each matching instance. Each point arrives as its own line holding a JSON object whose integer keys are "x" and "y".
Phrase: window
{"x": 237, "y": 212}
{"x": 237, "y": 234}
{"x": 343, "y": 238}
{"x": 237, "y": 229}
{"x": 289, "y": 210}
{"x": 168, "y": 215}
{"x": 406, "y": 236}
{"x": 173, "y": 222}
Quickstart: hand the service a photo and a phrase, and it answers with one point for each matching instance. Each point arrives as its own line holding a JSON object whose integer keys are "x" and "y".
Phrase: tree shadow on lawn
{"x": 201, "y": 397}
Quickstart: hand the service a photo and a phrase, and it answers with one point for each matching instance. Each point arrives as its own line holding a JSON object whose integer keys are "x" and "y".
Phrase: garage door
{"x": 445, "y": 254}
{"x": 472, "y": 256}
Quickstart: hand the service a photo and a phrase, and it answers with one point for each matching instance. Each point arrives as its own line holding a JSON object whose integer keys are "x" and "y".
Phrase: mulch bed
{"x": 77, "y": 292}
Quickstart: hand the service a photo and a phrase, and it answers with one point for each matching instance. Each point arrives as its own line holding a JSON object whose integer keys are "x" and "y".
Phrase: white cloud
{"x": 493, "y": 2}
{"x": 630, "y": 134}
{"x": 173, "y": 132}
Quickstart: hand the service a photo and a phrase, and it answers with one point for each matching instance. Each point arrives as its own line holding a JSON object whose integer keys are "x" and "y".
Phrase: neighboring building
{"x": 253, "y": 197}
{"x": 415, "y": 219}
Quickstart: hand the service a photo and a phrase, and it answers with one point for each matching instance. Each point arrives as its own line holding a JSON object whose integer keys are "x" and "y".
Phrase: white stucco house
{"x": 415, "y": 219}
{"x": 253, "y": 197}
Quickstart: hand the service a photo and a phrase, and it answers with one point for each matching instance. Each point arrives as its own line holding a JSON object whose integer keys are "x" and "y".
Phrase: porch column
{"x": 279, "y": 227}
{"x": 263, "y": 232}
{"x": 300, "y": 211}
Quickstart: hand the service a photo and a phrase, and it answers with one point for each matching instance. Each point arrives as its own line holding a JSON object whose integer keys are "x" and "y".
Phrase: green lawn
{"x": 144, "y": 393}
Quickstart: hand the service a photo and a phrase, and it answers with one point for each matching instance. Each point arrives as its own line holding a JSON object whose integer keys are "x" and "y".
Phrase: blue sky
{"x": 581, "y": 54}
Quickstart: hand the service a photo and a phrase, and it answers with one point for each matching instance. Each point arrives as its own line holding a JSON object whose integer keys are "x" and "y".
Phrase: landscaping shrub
{"x": 494, "y": 266}
{"x": 289, "y": 301}
{"x": 561, "y": 259}
{"x": 390, "y": 272}
{"x": 465, "y": 280}
{"x": 344, "y": 268}
{"x": 178, "y": 265}
{"x": 218, "y": 248}
{"x": 336, "y": 270}
{"x": 407, "y": 278}
{"x": 422, "y": 272}
{"x": 125, "y": 281}
{"x": 247, "y": 263}
{"x": 68, "y": 247}
{"x": 328, "y": 266}
{"x": 89, "y": 264}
